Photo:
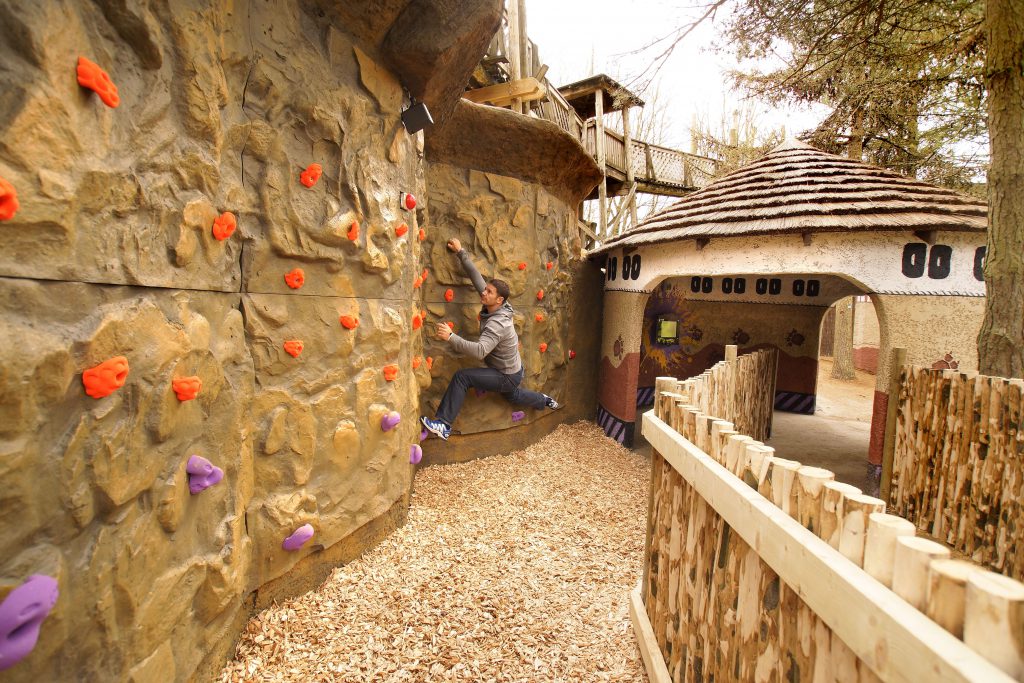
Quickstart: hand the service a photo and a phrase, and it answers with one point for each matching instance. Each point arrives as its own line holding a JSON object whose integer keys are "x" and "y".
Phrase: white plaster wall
{"x": 877, "y": 261}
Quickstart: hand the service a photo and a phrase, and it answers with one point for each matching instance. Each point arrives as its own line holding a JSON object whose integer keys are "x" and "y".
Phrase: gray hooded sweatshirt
{"x": 498, "y": 345}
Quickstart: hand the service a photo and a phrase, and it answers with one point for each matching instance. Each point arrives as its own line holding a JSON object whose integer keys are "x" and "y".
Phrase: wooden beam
{"x": 899, "y": 358}
{"x": 926, "y": 236}
{"x": 502, "y": 94}
{"x": 627, "y": 141}
{"x": 602, "y": 189}
{"x": 657, "y": 672}
{"x": 896, "y": 641}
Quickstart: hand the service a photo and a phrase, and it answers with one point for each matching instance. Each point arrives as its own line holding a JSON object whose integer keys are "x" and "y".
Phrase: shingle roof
{"x": 797, "y": 188}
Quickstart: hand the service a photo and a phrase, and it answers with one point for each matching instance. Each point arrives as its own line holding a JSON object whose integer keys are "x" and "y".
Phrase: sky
{"x": 574, "y": 35}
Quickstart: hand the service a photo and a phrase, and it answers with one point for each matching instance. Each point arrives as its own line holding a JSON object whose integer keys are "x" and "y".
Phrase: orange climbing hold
{"x": 425, "y": 274}
{"x": 391, "y": 372}
{"x": 430, "y": 363}
{"x": 416, "y": 362}
{"x": 451, "y": 325}
{"x": 549, "y": 265}
{"x": 540, "y": 295}
{"x": 311, "y": 175}
{"x": 417, "y": 283}
{"x": 353, "y": 231}
{"x": 106, "y": 378}
{"x": 449, "y": 295}
{"x": 522, "y": 265}
{"x": 91, "y": 76}
{"x": 423, "y": 234}
{"x": 295, "y": 278}
{"x": 224, "y": 225}
{"x": 186, "y": 388}
{"x": 539, "y": 317}
{"x": 408, "y": 201}
{"x": 423, "y": 314}
{"x": 8, "y": 200}
{"x": 401, "y": 229}
{"x": 293, "y": 347}
{"x": 417, "y": 321}
{"x": 543, "y": 347}
{"x": 349, "y": 322}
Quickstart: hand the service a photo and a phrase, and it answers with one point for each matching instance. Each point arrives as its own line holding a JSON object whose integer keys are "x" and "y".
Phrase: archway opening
{"x": 688, "y": 321}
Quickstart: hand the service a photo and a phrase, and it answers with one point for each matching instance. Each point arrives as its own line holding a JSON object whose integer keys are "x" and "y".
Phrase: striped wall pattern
{"x": 644, "y": 396}
{"x": 794, "y": 402}
{"x": 615, "y": 428}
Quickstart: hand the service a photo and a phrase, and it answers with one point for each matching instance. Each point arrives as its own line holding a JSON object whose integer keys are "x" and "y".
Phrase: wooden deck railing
{"x": 653, "y": 165}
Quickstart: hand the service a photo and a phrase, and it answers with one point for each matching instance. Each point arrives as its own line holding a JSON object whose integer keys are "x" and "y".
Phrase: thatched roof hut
{"x": 757, "y": 258}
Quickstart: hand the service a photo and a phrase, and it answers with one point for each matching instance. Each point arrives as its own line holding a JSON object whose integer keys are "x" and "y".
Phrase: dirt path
{"x": 511, "y": 568}
{"x": 836, "y": 436}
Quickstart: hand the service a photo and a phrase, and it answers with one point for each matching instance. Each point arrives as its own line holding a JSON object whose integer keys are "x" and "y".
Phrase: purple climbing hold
{"x": 423, "y": 434}
{"x": 480, "y": 392}
{"x": 21, "y": 615}
{"x": 202, "y": 474}
{"x": 390, "y": 420}
{"x": 518, "y": 415}
{"x": 415, "y": 454}
{"x": 298, "y": 538}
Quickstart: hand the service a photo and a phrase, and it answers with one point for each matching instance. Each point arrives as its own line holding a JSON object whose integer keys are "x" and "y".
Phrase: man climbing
{"x": 497, "y": 347}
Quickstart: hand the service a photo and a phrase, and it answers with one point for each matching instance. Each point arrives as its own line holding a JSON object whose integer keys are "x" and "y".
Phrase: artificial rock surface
{"x": 111, "y": 254}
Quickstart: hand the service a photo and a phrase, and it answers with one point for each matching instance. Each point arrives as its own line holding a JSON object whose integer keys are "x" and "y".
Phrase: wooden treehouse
{"x": 512, "y": 75}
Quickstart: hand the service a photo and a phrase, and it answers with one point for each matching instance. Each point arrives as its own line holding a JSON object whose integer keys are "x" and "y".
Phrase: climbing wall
{"x": 209, "y": 371}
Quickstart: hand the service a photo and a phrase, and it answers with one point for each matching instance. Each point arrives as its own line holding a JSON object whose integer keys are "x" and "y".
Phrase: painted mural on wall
{"x": 682, "y": 336}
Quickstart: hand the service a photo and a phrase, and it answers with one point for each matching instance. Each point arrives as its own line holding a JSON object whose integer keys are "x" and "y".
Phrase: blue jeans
{"x": 487, "y": 379}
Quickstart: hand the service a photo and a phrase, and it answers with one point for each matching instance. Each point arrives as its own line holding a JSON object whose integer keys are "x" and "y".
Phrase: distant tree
{"x": 842, "y": 349}
{"x": 736, "y": 142}
{"x": 903, "y": 78}
{"x": 1001, "y": 341}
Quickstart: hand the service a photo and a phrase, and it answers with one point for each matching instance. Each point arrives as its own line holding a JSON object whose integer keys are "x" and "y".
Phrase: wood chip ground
{"x": 510, "y": 568}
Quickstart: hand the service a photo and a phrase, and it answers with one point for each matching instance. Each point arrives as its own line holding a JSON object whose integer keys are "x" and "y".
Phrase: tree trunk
{"x": 1001, "y": 341}
{"x": 842, "y": 347}
{"x": 855, "y": 149}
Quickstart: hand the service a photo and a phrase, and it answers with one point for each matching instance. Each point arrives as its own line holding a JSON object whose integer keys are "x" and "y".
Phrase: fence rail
{"x": 957, "y": 463}
{"x": 757, "y": 568}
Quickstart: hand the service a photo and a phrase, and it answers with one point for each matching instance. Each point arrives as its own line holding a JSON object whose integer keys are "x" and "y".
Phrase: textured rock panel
{"x": 503, "y": 222}
{"x": 102, "y": 480}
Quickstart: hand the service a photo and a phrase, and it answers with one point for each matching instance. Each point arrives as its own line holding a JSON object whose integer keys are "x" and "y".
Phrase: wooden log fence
{"x": 740, "y": 389}
{"x": 759, "y": 569}
{"x": 957, "y": 463}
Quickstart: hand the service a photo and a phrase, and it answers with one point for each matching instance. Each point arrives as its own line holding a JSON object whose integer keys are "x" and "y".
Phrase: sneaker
{"x": 551, "y": 403}
{"x": 436, "y": 427}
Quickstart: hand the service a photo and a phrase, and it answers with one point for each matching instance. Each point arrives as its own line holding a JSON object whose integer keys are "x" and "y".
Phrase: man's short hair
{"x": 501, "y": 287}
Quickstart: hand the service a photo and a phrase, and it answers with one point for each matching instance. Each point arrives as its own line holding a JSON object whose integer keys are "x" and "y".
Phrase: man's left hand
{"x": 443, "y": 331}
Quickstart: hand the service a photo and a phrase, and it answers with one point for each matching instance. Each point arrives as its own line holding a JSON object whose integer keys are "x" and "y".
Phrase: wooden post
{"x": 899, "y": 359}
{"x": 781, "y": 478}
{"x": 856, "y": 510}
{"x": 880, "y": 546}
{"x": 515, "y": 57}
{"x": 662, "y": 384}
{"x": 602, "y": 163}
{"x": 946, "y": 600}
{"x": 525, "y": 56}
{"x": 810, "y": 485}
{"x": 756, "y": 461}
{"x": 730, "y": 352}
{"x": 630, "y": 176}
{"x": 993, "y": 618}
{"x": 832, "y": 497}
{"x": 910, "y": 569}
